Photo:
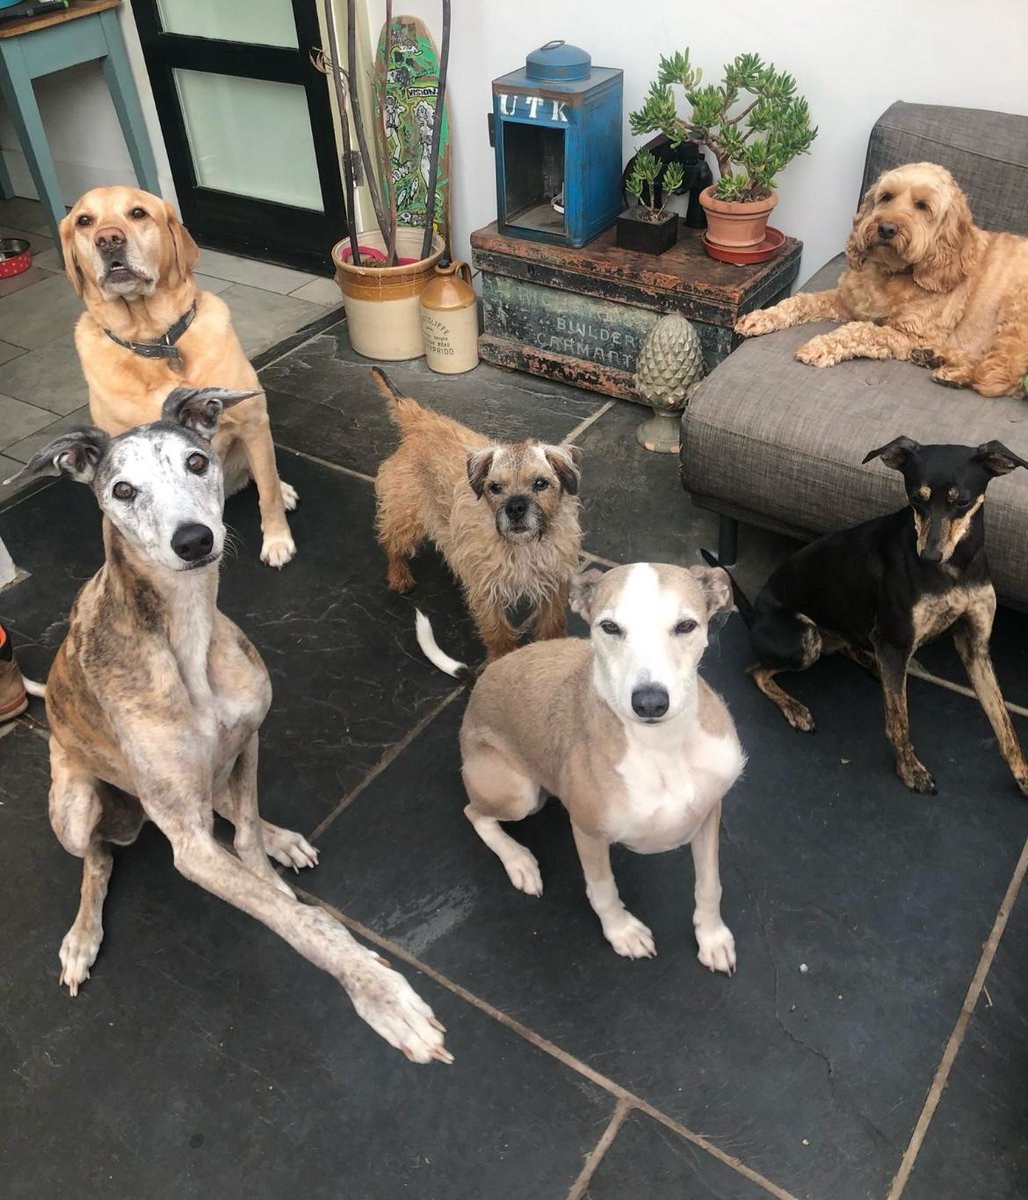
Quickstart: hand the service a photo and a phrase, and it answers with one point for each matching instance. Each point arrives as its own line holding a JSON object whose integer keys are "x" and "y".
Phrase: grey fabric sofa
{"x": 769, "y": 441}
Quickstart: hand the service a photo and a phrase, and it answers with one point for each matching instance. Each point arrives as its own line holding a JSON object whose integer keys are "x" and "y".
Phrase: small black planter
{"x": 634, "y": 232}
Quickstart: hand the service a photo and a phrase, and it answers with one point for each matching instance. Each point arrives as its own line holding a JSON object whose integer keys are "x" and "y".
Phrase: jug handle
{"x": 462, "y": 269}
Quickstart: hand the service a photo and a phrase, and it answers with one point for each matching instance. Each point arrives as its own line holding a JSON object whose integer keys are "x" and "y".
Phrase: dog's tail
{"x": 437, "y": 657}
{"x": 33, "y": 688}
{"x": 400, "y": 405}
{"x": 738, "y": 595}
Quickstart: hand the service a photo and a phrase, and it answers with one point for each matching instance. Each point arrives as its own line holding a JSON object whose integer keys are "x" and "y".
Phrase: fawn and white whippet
{"x": 155, "y": 699}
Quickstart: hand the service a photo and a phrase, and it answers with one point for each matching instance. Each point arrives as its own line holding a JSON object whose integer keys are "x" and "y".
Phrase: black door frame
{"x": 296, "y": 237}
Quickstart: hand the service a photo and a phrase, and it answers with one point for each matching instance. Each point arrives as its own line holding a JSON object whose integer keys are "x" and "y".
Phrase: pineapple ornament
{"x": 668, "y": 370}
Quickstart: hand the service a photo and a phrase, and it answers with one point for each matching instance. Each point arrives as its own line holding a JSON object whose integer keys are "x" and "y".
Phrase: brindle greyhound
{"x": 155, "y": 699}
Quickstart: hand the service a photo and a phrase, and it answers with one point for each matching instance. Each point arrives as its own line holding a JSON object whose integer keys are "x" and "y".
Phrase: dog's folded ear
{"x": 717, "y": 588}
{"x": 997, "y": 459}
{"x": 66, "y": 228}
{"x": 895, "y": 454}
{"x": 583, "y": 587}
{"x": 480, "y": 463}
{"x": 76, "y": 453}
{"x": 566, "y": 462}
{"x": 198, "y": 409}
{"x": 856, "y": 243}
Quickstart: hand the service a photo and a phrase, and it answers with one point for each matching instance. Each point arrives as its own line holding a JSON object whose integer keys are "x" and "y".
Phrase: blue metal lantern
{"x": 557, "y": 129}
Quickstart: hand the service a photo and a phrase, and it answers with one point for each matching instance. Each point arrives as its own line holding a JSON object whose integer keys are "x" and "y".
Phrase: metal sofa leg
{"x": 727, "y": 541}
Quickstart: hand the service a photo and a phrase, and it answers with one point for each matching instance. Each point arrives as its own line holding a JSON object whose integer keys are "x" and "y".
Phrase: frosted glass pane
{"x": 261, "y": 22}
{"x": 251, "y": 137}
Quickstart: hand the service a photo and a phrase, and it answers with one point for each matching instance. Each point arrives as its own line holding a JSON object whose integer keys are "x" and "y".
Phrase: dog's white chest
{"x": 667, "y": 793}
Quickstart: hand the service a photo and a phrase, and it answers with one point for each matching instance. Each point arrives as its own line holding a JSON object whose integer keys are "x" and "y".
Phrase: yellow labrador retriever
{"x": 147, "y": 330}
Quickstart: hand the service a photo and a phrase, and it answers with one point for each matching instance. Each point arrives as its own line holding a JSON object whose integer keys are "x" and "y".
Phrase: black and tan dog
{"x": 881, "y": 590}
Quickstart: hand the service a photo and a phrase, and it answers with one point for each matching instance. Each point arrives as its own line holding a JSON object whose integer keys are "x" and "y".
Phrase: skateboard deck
{"x": 411, "y": 95}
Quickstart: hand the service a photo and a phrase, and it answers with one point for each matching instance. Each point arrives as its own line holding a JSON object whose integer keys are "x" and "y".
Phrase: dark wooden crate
{"x": 580, "y": 314}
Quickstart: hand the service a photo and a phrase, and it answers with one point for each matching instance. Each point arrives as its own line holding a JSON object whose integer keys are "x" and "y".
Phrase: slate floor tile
{"x": 24, "y": 279}
{"x": 19, "y": 420}
{"x": 40, "y": 314}
{"x": 977, "y": 1143}
{"x": 650, "y": 1161}
{"x": 25, "y": 214}
{"x": 24, "y": 449}
{"x": 827, "y": 861}
{"x": 266, "y": 276}
{"x": 205, "y": 1058}
{"x": 8, "y": 352}
{"x": 260, "y": 318}
{"x": 49, "y": 377}
{"x": 324, "y": 402}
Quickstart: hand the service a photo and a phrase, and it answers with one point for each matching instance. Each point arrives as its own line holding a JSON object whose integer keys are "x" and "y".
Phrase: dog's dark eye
{"x": 137, "y": 213}
{"x": 496, "y": 488}
{"x": 540, "y": 484}
{"x": 197, "y": 462}
{"x": 921, "y": 204}
{"x": 885, "y": 197}
{"x": 84, "y": 219}
{"x": 123, "y": 490}
{"x": 611, "y": 627}
{"x": 962, "y": 503}
{"x": 686, "y": 626}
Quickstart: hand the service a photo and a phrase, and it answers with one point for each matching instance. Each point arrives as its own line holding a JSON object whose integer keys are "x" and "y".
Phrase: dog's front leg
{"x": 797, "y": 310}
{"x": 551, "y": 621}
{"x": 971, "y": 637}
{"x": 714, "y": 938}
{"x": 892, "y": 667}
{"x": 857, "y": 339}
{"x": 278, "y": 547}
{"x": 496, "y": 632}
{"x": 627, "y": 934}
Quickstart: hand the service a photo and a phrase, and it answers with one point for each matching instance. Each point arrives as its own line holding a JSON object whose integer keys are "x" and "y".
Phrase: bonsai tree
{"x": 645, "y": 175}
{"x": 753, "y": 119}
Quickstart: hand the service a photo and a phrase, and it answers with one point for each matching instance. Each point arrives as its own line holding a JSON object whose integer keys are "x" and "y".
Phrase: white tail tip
{"x": 430, "y": 648}
{"x": 33, "y": 688}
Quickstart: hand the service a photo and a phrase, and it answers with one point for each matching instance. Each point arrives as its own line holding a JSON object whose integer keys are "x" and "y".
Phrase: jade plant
{"x": 647, "y": 172}
{"x": 753, "y": 119}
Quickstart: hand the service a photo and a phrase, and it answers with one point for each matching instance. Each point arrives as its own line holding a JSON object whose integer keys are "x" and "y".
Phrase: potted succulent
{"x": 754, "y": 119}
{"x": 648, "y": 226}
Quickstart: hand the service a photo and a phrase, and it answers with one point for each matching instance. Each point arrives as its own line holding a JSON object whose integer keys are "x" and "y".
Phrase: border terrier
{"x": 503, "y": 515}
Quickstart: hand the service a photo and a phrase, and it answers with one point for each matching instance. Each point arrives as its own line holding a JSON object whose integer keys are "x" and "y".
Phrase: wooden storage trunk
{"x": 580, "y": 314}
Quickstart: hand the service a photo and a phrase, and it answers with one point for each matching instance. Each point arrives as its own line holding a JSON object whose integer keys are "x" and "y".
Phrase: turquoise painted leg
{"x": 122, "y": 87}
{"x": 20, "y": 102}
{"x": 6, "y": 187}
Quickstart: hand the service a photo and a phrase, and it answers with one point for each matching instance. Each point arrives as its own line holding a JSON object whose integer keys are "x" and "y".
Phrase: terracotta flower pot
{"x": 736, "y": 224}
{"x": 382, "y": 313}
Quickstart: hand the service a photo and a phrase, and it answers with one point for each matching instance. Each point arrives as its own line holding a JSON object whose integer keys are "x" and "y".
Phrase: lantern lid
{"x": 558, "y": 60}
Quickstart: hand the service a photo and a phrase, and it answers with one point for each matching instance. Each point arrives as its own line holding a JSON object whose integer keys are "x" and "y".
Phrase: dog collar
{"x": 165, "y": 346}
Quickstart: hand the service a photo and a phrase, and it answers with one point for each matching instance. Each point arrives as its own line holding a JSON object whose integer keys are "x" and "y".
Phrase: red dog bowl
{"x": 15, "y": 257}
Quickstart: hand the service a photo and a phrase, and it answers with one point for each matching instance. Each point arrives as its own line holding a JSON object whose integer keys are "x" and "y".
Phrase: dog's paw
{"x": 1021, "y": 779}
{"x": 278, "y": 549}
{"x": 799, "y": 717}
{"x": 397, "y": 1013}
{"x": 78, "y": 953}
{"x": 523, "y": 871}
{"x": 925, "y": 356}
{"x": 918, "y": 778}
{"x": 953, "y": 376}
{"x": 717, "y": 948}
{"x": 289, "y": 848}
{"x": 763, "y": 320}
{"x": 629, "y": 936}
{"x": 818, "y": 352}
{"x": 290, "y": 496}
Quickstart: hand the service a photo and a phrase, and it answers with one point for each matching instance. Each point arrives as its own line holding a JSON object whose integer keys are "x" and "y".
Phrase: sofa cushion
{"x": 986, "y": 152}
{"x": 768, "y": 436}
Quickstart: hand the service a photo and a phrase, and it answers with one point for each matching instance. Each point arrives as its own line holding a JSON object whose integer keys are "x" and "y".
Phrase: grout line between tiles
{"x": 547, "y": 1047}
{"x": 390, "y": 755}
{"x": 956, "y": 1038}
{"x": 324, "y": 462}
{"x": 588, "y": 423}
{"x": 595, "y": 1156}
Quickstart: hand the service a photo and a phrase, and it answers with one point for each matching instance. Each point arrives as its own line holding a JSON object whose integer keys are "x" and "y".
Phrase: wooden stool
{"x": 41, "y": 45}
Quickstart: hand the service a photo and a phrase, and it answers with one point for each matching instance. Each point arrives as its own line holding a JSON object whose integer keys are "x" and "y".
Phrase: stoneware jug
{"x": 449, "y": 320}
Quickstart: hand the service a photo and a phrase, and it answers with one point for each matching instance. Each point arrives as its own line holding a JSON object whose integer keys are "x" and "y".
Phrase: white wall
{"x": 851, "y": 59}
{"x": 82, "y": 128}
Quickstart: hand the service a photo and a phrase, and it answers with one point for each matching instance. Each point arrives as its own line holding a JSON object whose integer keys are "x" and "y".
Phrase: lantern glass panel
{"x": 534, "y": 175}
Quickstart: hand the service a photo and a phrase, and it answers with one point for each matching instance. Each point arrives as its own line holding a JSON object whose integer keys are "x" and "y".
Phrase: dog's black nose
{"x": 516, "y": 507}
{"x": 650, "y": 702}
{"x": 192, "y": 542}
{"x": 886, "y": 230}
{"x": 931, "y": 554}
